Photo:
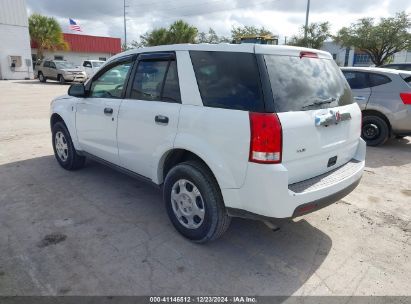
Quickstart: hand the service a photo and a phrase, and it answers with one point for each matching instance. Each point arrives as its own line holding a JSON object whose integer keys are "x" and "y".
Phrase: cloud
{"x": 284, "y": 17}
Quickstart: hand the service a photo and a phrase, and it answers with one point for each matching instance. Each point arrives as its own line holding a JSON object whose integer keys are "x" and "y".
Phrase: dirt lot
{"x": 98, "y": 232}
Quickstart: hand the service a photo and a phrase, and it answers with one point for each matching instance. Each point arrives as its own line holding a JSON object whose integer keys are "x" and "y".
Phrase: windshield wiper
{"x": 320, "y": 102}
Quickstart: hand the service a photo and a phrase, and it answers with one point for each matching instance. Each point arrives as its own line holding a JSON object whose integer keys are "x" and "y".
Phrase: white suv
{"x": 249, "y": 131}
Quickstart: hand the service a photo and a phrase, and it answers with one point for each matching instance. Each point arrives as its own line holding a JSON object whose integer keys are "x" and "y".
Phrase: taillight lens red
{"x": 266, "y": 138}
{"x": 406, "y": 98}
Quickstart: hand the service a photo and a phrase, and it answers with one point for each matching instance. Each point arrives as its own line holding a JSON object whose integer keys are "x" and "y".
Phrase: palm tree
{"x": 156, "y": 37}
{"x": 46, "y": 33}
{"x": 182, "y": 32}
{"x": 178, "y": 32}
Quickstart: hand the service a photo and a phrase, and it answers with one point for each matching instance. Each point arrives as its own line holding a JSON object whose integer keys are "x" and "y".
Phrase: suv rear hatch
{"x": 320, "y": 123}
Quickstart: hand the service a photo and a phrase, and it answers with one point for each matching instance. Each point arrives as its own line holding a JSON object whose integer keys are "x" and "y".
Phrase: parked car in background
{"x": 246, "y": 130}
{"x": 384, "y": 96}
{"x": 62, "y": 71}
{"x": 397, "y": 66}
{"x": 92, "y": 66}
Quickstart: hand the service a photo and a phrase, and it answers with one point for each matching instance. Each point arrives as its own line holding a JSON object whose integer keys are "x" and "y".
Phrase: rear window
{"x": 302, "y": 84}
{"x": 228, "y": 80}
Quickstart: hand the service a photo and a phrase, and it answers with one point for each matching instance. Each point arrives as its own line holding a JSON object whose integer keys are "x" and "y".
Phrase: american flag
{"x": 74, "y": 26}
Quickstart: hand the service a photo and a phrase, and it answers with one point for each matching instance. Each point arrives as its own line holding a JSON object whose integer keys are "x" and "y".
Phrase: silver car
{"x": 62, "y": 71}
{"x": 384, "y": 96}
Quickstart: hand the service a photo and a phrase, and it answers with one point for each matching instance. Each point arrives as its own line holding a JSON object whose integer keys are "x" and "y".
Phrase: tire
{"x": 64, "y": 150}
{"x": 41, "y": 77}
{"x": 61, "y": 79}
{"x": 207, "y": 201}
{"x": 375, "y": 130}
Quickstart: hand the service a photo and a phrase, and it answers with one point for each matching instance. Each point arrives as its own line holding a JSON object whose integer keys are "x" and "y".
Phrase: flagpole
{"x": 125, "y": 26}
{"x": 307, "y": 14}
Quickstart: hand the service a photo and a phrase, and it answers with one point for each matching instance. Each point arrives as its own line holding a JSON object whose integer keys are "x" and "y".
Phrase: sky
{"x": 282, "y": 17}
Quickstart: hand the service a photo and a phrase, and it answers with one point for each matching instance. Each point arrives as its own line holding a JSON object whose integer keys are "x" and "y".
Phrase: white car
{"x": 92, "y": 66}
{"x": 249, "y": 131}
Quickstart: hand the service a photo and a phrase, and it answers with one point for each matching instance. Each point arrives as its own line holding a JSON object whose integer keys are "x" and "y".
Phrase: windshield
{"x": 303, "y": 84}
{"x": 97, "y": 64}
{"x": 65, "y": 65}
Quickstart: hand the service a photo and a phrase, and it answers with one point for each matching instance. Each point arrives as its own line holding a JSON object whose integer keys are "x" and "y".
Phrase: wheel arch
{"x": 176, "y": 156}
{"x": 369, "y": 112}
{"x": 55, "y": 118}
{"x": 64, "y": 111}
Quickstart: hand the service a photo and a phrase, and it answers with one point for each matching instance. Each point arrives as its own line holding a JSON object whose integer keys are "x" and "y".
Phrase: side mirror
{"x": 77, "y": 90}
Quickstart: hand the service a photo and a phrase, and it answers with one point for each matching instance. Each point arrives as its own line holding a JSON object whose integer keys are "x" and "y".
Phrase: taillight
{"x": 266, "y": 138}
{"x": 406, "y": 98}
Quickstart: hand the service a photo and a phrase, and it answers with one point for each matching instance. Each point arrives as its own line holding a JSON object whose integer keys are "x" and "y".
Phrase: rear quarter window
{"x": 407, "y": 78}
{"x": 228, "y": 80}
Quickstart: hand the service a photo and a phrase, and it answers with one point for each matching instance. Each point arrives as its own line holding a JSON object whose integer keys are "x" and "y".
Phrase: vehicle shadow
{"x": 98, "y": 232}
{"x": 37, "y": 82}
{"x": 395, "y": 152}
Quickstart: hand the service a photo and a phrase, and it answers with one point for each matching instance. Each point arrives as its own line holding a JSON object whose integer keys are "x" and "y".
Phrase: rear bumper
{"x": 267, "y": 194}
{"x": 401, "y": 122}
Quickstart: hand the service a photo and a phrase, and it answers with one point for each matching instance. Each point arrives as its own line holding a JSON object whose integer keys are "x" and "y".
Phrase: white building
{"x": 402, "y": 57}
{"x": 15, "y": 53}
{"x": 343, "y": 56}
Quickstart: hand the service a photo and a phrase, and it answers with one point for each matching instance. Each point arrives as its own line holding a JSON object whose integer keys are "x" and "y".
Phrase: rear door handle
{"x": 359, "y": 98}
{"x": 108, "y": 111}
{"x": 160, "y": 119}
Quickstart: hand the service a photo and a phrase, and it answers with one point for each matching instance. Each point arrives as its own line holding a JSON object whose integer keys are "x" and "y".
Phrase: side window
{"x": 156, "y": 80}
{"x": 228, "y": 80}
{"x": 52, "y": 65}
{"x": 110, "y": 84}
{"x": 171, "y": 90}
{"x": 46, "y": 64}
{"x": 357, "y": 80}
{"x": 377, "y": 80}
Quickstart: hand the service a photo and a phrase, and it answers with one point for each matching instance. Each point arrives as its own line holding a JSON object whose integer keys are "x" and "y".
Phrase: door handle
{"x": 108, "y": 111}
{"x": 160, "y": 119}
{"x": 359, "y": 98}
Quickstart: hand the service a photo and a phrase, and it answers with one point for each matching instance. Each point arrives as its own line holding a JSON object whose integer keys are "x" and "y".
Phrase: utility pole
{"x": 306, "y": 20}
{"x": 125, "y": 25}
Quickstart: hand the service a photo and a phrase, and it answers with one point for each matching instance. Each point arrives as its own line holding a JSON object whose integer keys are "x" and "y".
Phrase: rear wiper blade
{"x": 321, "y": 102}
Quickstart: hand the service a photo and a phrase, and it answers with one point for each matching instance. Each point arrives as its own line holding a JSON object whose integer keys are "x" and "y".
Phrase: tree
{"x": 46, "y": 33}
{"x": 380, "y": 41}
{"x": 241, "y": 31}
{"x": 127, "y": 47}
{"x": 317, "y": 33}
{"x": 211, "y": 37}
{"x": 178, "y": 32}
{"x": 182, "y": 32}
